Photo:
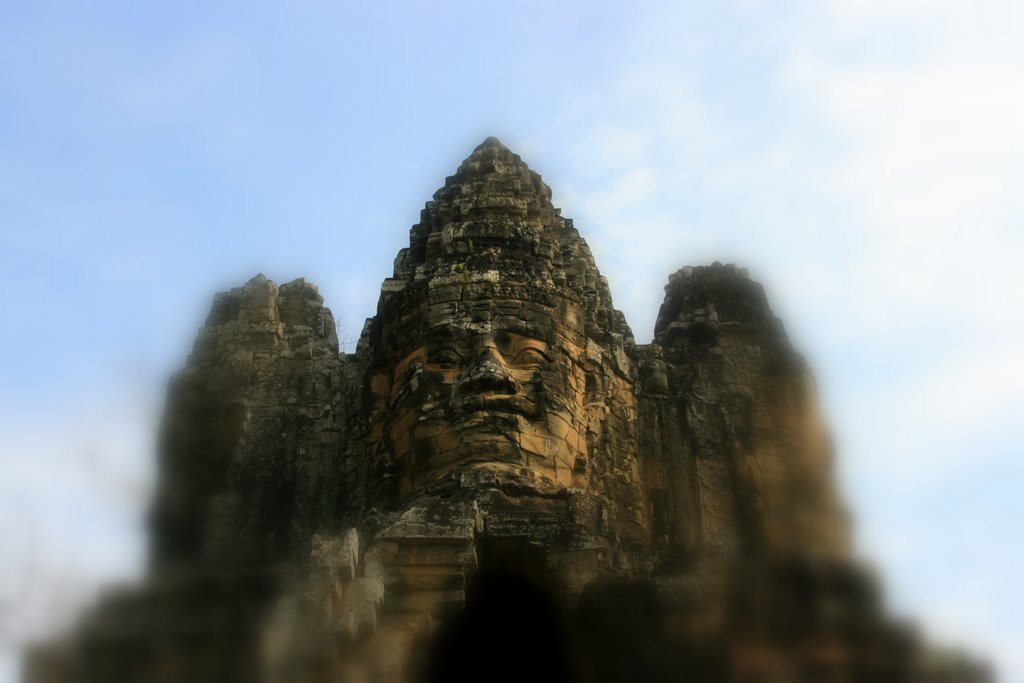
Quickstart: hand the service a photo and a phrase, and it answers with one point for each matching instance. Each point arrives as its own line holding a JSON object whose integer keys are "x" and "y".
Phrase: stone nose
{"x": 490, "y": 373}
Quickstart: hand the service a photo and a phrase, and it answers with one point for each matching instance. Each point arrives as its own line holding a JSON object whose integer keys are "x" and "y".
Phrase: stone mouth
{"x": 477, "y": 407}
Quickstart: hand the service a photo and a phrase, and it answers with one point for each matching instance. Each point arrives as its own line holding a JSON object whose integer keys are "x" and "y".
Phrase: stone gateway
{"x": 498, "y": 485}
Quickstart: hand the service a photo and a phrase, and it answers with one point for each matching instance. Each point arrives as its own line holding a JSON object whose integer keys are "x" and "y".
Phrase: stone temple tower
{"x": 499, "y": 484}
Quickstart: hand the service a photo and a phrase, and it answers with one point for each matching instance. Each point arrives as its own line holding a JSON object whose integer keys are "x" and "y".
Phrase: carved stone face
{"x": 491, "y": 387}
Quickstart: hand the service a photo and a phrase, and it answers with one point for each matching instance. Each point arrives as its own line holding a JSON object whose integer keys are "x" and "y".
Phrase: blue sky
{"x": 862, "y": 159}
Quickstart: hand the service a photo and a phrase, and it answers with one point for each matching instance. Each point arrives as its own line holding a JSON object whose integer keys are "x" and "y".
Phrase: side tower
{"x": 750, "y": 541}
{"x": 736, "y": 459}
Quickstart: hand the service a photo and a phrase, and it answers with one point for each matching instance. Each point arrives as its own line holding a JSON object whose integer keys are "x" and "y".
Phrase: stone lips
{"x": 498, "y": 461}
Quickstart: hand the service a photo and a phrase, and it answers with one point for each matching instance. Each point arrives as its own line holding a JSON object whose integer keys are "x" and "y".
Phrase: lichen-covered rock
{"x": 499, "y": 484}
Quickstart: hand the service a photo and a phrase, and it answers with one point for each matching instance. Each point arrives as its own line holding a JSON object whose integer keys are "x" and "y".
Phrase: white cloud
{"x": 612, "y": 145}
{"x": 619, "y": 195}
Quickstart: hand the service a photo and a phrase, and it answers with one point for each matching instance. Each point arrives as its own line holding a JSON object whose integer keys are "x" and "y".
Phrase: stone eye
{"x": 529, "y": 357}
{"x": 445, "y": 358}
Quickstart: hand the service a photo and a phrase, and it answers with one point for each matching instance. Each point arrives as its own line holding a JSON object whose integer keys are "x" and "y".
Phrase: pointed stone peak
{"x": 493, "y": 149}
{"x": 493, "y": 221}
{"x": 490, "y": 142}
{"x": 704, "y": 304}
{"x": 493, "y": 168}
{"x": 492, "y": 210}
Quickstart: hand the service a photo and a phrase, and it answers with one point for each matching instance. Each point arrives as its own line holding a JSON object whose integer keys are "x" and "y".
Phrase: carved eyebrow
{"x": 532, "y": 348}
{"x": 518, "y": 344}
{"x": 444, "y": 353}
{"x": 517, "y": 335}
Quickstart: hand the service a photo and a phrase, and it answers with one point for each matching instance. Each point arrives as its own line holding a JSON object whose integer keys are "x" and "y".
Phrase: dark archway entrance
{"x": 512, "y": 628}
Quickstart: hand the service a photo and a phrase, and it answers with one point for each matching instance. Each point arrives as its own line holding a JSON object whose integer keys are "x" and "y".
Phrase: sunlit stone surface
{"x": 498, "y": 485}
